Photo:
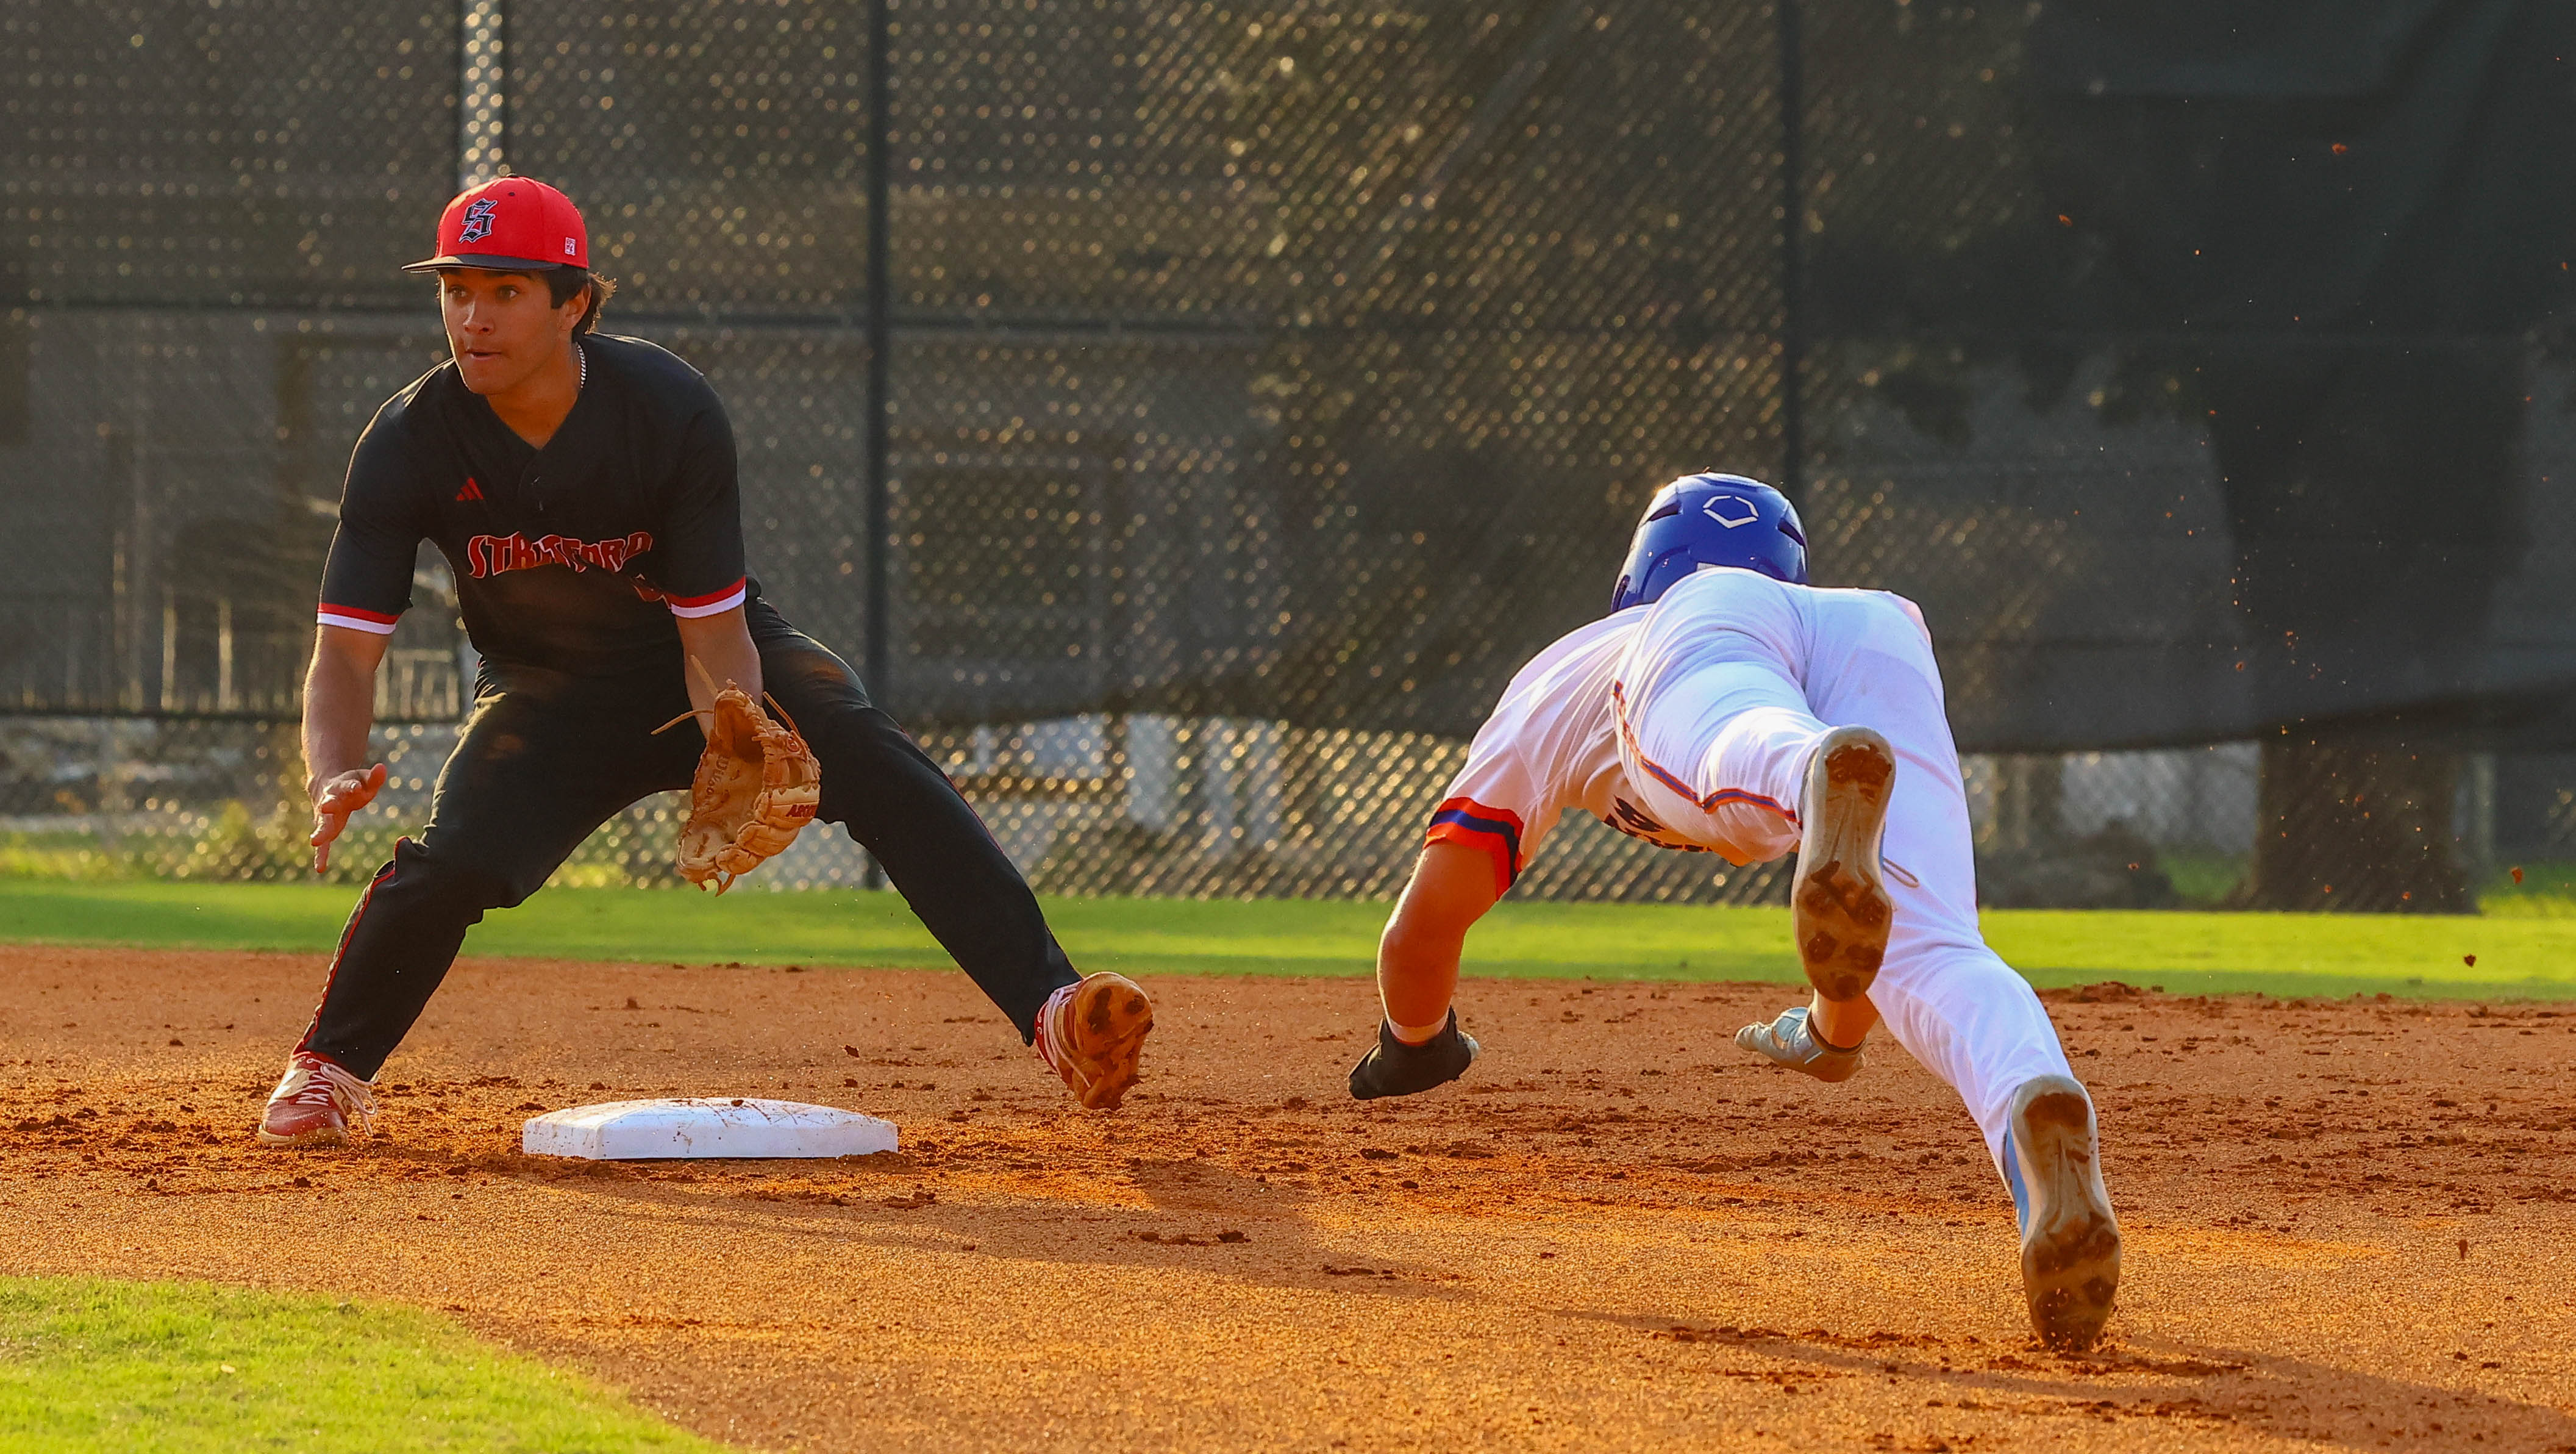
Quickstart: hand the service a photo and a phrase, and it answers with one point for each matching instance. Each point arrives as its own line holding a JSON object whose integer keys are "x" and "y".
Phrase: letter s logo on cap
{"x": 478, "y": 219}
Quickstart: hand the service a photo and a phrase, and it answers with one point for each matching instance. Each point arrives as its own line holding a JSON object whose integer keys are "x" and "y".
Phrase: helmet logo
{"x": 1714, "y": 512}
{"x": 478, "y": 219}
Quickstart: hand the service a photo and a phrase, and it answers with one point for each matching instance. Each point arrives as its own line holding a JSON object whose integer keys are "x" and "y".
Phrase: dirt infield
{"x": 2348, "y": 1224}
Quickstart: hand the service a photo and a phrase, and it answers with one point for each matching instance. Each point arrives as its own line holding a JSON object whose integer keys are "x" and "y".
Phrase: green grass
{"x": 2519, "y": 955}
{"x": 2202, "y": 879}
{"x": 2544, "y": 890}
{"x": 88, "y": 1364}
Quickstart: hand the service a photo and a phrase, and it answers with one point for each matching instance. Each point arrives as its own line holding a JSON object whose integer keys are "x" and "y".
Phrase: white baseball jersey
{"x": 1603, "y": 721}
{"x": 1690, "y": 722}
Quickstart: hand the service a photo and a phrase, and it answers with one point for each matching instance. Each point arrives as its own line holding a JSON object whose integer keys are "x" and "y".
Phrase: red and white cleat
{"x": 315, "y": 1104}
{"x": 1091, "y": 1033}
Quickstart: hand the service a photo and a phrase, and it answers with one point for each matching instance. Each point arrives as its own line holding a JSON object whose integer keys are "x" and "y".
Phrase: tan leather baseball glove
{"x": 757, "y": 787}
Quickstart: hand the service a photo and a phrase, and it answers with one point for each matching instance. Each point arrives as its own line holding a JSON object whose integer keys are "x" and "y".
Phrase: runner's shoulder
{"x": 1567, "y": 683}
{"x": 1580, "y": 654}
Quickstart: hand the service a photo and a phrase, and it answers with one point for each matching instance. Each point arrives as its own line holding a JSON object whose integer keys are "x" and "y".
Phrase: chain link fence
{"x": 1267, "y": 381}
{"x": 1201, "y": 807}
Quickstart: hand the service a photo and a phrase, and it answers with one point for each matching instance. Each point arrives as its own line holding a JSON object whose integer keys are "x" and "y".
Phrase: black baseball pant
{"x": 547, "y": 757}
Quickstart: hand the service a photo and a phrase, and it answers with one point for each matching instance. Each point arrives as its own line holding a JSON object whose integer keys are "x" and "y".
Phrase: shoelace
{"x": 323, "y": 1080}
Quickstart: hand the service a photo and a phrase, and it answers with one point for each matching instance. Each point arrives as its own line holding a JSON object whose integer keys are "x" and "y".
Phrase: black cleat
{"x": 1397, "y": 1069}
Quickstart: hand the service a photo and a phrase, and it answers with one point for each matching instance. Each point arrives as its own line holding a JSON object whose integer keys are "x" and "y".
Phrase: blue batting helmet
{"x": 1711, "y": 519}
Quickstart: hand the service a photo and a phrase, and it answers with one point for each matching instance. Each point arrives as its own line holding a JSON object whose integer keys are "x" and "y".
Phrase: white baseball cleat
{"x": 2070, "y": 1241}
{"x": 1838, "y": 904}
{"x": 1791, "y": 1041}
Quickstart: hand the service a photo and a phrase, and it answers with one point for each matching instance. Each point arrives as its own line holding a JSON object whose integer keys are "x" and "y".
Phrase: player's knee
{"x": 863, "y": 743}
{"x": 869, "y": 762}
{"x": 1963, "y": 969}
{"x": 461, "y": 881}
{"x": 477, "y": 889}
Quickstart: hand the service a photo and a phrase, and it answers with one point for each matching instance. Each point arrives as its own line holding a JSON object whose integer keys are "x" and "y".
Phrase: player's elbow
{"x": 341, "y": 656}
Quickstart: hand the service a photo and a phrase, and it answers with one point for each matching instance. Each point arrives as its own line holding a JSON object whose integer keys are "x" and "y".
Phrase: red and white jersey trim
{"x": 710, "y": 605}
{"x": 375, "y": 623}
{"x": 1548, "y": 746}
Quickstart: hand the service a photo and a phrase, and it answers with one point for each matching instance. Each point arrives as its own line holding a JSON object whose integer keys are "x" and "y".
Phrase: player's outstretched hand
{"x": 334, "y": 799}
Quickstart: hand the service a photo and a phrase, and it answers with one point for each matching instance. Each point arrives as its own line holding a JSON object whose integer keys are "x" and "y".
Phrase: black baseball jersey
{"x": 573, "y": 557}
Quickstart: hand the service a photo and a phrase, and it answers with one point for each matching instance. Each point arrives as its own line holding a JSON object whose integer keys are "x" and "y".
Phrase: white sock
{"x": 1419, "y": 1034}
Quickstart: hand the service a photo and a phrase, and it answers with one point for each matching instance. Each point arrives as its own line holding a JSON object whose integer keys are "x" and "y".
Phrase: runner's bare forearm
{"x": 1417, "y": 956}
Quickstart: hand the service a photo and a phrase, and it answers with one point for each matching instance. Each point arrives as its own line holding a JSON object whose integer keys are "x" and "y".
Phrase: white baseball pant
{"x": 1724, "y": 692}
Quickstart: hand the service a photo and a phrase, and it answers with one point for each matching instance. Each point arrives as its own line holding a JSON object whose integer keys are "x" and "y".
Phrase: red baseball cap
{"x": 509, "y": 224}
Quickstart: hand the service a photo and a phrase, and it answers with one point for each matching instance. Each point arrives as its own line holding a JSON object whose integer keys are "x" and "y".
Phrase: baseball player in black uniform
{"x": 582, "y": 486}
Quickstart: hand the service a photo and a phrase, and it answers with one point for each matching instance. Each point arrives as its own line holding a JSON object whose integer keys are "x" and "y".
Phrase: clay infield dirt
{"x": 2349, "y": 1224}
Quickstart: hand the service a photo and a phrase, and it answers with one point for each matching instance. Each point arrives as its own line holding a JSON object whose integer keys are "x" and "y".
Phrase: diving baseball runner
{"x": 1724, "y": 705}
{"x": 582, "y": 486}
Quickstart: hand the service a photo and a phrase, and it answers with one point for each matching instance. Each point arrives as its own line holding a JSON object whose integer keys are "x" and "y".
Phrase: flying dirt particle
{"x": 630, "y": 999}
{"x": 851, "y": 1051}
{"x": 2517, "y": 873}
{"x": 2470, "y": 960}
{"x": 2464, "y": 1249}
